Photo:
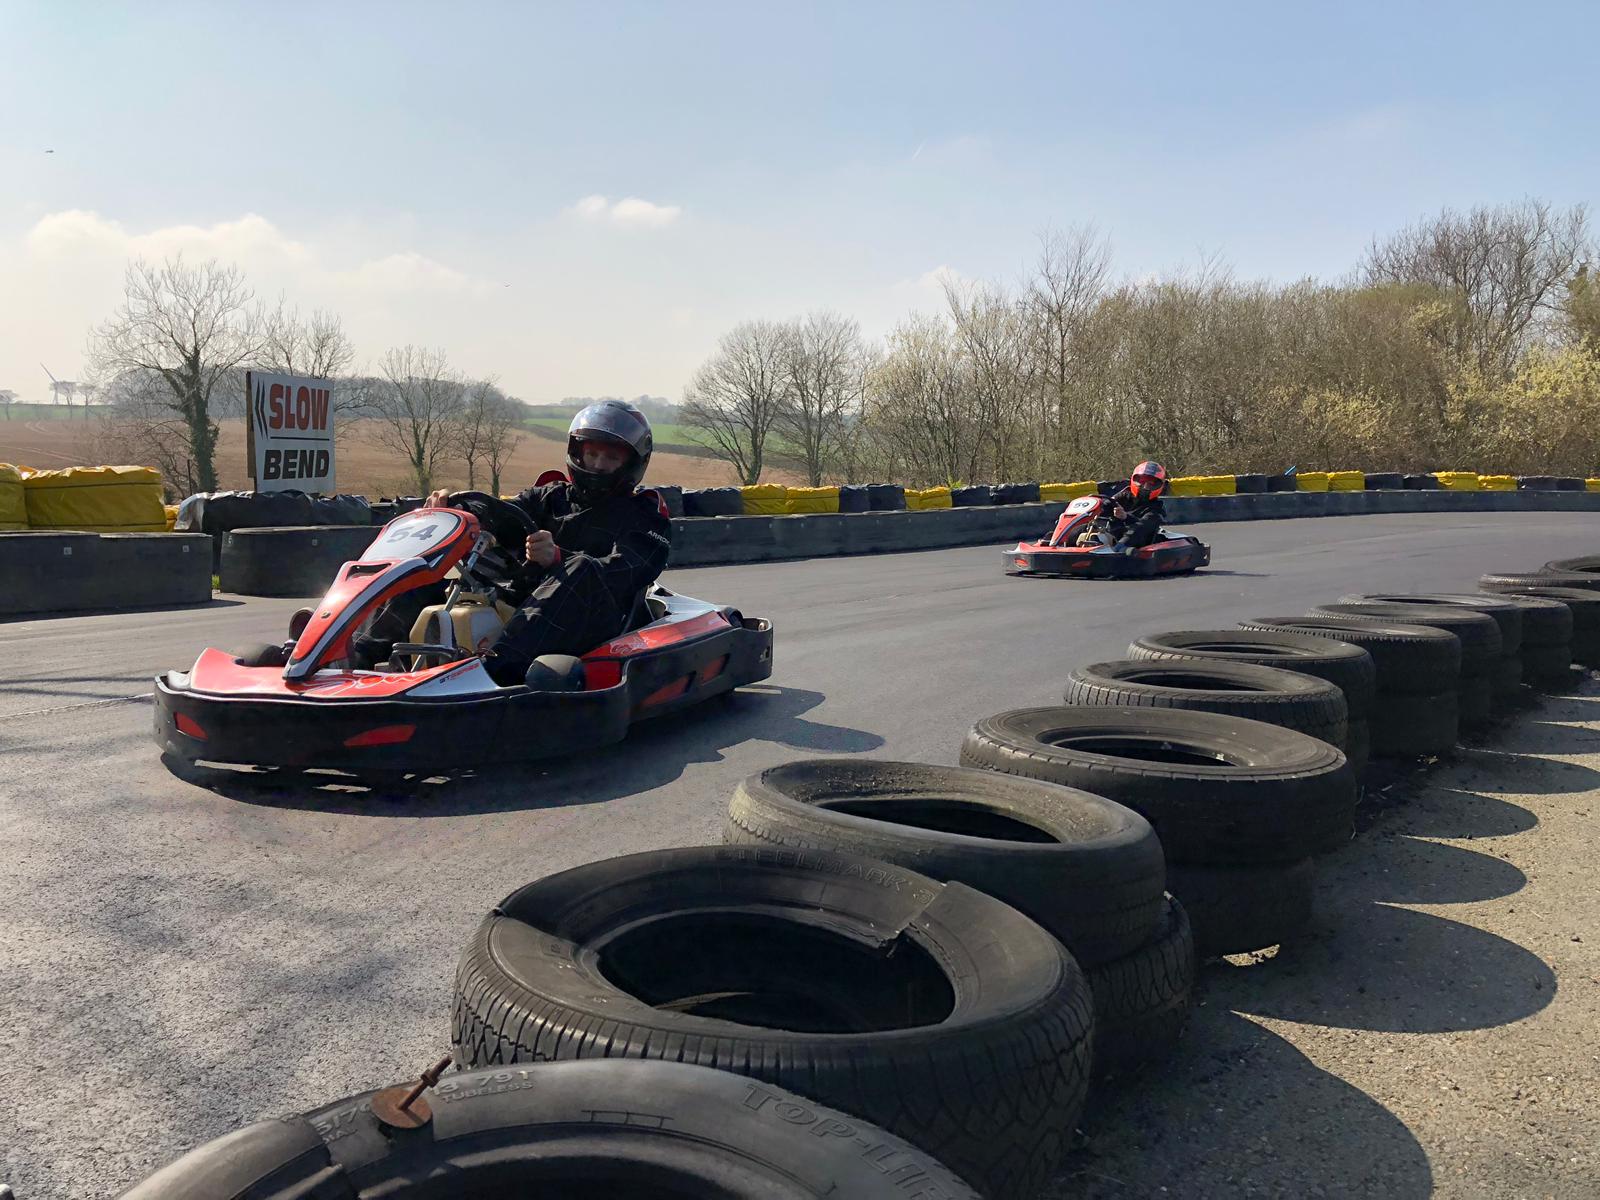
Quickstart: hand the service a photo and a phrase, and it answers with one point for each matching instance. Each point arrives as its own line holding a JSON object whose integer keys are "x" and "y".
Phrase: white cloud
{"x": 630, "y": 212}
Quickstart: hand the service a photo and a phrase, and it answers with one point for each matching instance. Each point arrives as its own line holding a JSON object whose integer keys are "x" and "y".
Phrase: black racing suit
{"x": 1144, "y": 519}
{"x": 610, "y": 552}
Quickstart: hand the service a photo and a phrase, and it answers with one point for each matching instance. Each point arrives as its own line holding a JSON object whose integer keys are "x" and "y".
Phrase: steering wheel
{"x": 507, "y": 523}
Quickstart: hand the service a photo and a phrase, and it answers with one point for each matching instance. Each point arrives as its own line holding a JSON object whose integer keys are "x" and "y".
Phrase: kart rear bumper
{"x": 448, "y": 734}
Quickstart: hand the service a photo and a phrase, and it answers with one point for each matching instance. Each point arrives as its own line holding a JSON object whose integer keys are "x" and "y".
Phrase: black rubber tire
{"x": 1235, "y": 910}
{"x": 1545, "y": 622}
{"x": 1507, "y": 681}
{"x": 261, "y": 654}
{"x": 1249, "y": 485}
{"x": 1141, "y": 1001}
{"x": 560, "y": 1130}
{"x": 1584, "y": 605}
{"x": 1503, "y": 613}
{"x": 959, "y": 1023}
{"x": 1089, "y": 870}
{"x": 1348, "y": 667}
{"x": 1284, "y": 698}
{"x": 1266, "y": 794}
{"x": 1406, "y": 726}
{"x": 1588, "y": 564}
{"x": 1539, "y": 579}
{"x": 1476, "y": 698}
{"x": 1385, "y": 481}
{"x": 1548, "y": 667}
{"x": 1479, "y": 635}
{"x": 1416, "y": 659}
{"x": 1358, "y": 746}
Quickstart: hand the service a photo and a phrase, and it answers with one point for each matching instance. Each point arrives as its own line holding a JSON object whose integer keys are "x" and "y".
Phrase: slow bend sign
{"x": 291, "y": 432}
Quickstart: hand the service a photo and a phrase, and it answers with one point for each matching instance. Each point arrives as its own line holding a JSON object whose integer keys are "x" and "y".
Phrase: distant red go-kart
{"x": 432, "y": 708}
{"x": 1082, "y": 544}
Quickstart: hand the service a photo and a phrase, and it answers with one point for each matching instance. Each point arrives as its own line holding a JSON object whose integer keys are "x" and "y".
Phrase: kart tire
{"x": 1408, "y": 658}
{"x": 1349, "y": 668}
{"x": 1217, "y": 789}
{"x": 1478, "y": 634}
{"x": 1235, "y": 910}
{"x": 1588, "y": 564}
{"x": 1540, "y": 579}
{"x": 1411, "y": 726}
{"x": 1547, "y": 668}
{"x": 937, "y": 1011}
{"x": 1141, "y": 1001}
{"x": 1504, "y": 614}
{"x": 567, "y": 1128}
{"x": 555, "y": 673}
{"x": 261, "y": 654}
{"x": 1088, "y": 870}
{"x": 1285, "y": 698}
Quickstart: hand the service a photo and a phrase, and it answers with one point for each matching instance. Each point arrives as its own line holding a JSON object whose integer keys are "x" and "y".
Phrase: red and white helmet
{"x": 1149, "y": 480}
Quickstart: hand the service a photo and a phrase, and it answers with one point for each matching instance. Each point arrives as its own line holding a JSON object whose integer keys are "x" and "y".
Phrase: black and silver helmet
{"x": 609, "y": 421}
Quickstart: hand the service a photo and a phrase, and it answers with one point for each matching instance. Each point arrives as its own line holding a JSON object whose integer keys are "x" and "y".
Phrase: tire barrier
{"x": 295, "y": 561}
{"x": 49, "y": 574}
{"x": 671, "y": 496}
{"x": 713, "y": 502}
{"x": 520, "y": 1131}
{"x": 774, "y": 964}
{"x": 1385, "y": 481}
{"x": 219, "y": 513}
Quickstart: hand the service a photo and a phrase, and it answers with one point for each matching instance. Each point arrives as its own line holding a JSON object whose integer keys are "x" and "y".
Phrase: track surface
{"x": 176, "y": 960}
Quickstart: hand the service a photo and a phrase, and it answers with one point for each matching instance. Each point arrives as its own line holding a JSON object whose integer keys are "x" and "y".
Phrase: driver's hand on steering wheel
{"x": 1119, "y": 512}
{"x": 440, "y": 498}
{"x": 541, "y": 548}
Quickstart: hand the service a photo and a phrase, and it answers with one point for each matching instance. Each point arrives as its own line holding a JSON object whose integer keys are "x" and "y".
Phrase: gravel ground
{"x": 1434, "y": 1036}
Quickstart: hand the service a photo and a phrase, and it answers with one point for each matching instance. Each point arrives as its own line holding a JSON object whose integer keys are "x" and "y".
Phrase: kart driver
{"x": 601, "y": 542}
{"x": 1137, "y": 507}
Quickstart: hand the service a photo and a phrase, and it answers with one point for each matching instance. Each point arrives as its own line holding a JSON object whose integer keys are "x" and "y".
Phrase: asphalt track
{"x": 178, "y": 959}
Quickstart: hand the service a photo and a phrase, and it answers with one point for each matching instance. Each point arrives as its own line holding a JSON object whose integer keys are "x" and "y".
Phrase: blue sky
{"x": 403, "y": 164}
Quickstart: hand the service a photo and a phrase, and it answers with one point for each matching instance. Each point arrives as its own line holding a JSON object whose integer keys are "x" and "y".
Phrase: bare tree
{"x": 315, "y": 347}
{"x": 736, "y": 397}
{"x": 139, "y": 424}
{"x": 7, "y": 399}
{"x": 487, "y": 430}
{"x": 824, "y": 380}
{"x": 1580, "y": 310}
{"x": 189, "y": 326}
{"x": 417, "y": 406}
{"x": 1504, "y": 266}
{"x": 1069, "y": 281}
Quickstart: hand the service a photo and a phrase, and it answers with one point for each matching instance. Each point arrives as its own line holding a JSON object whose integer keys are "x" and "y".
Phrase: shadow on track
{"x": 654, "y": 754}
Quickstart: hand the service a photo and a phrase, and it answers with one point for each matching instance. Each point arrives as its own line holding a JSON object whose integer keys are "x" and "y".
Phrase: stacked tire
{"x": 1415, "y": 705}
{"x": 1505, "y": 674}
{"x": 1240, "y": 806}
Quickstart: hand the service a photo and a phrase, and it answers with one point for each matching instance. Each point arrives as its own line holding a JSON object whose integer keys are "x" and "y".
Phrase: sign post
{"x": 290, "y": 432}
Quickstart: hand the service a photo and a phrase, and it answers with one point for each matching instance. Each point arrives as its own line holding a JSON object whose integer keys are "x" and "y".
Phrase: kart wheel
{"x": 937, "y": 1010}
{"x": 1408, "y": 658}
{"x": 1301, "y": 702}
{"x": 1088, "y": 870}
{"x": 1235, "y": 910}
{"x": 1141, "y": 1001}
{"x": 564, "y": 1129}
{"x": 1347, "y": 667}
{"x": 1217, "y": 789}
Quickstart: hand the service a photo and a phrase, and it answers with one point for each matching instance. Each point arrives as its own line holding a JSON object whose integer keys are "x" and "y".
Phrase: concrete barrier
{"x": 49, "y": 573}
{"x": 296, "y": 560}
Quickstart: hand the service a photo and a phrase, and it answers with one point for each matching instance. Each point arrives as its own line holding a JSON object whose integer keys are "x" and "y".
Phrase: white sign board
{"x": 291, "y": 432}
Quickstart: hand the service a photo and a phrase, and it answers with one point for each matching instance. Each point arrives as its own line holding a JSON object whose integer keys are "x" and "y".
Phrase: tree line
{"x": 171, "y": 361}
{"x": 1470, "y": 339}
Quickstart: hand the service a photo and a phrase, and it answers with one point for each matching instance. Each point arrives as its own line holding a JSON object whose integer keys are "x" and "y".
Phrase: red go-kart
{"x": 1083, "y": 544}
{"x": 432, "y": 708}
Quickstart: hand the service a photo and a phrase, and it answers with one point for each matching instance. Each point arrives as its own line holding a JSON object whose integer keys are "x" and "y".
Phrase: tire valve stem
{"x": 400, "y": 1107}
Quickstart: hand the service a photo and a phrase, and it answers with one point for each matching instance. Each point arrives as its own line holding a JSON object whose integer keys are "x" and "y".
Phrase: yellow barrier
{"x": 172, "y": 516}
{"x": 1190, "y": 485}
{"x": 1058, "y": 493}
{"x": 96, "y": 499}
{"x": 1497, "y": 483}
{"x": 811, "y": 500}
{"x": 1311, "y": 481}
{"x": 934, "y": 497}
{"x": 1347, "y": 481}
{"x": 13, "y": 507}
{"x": 1591, "y": 485}
{"x": 1457, "y": 481}
{"x": 764, "y": 499}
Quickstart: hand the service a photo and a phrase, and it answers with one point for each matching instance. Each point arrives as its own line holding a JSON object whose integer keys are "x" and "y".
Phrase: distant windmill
{"x": 61, "y": 388}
